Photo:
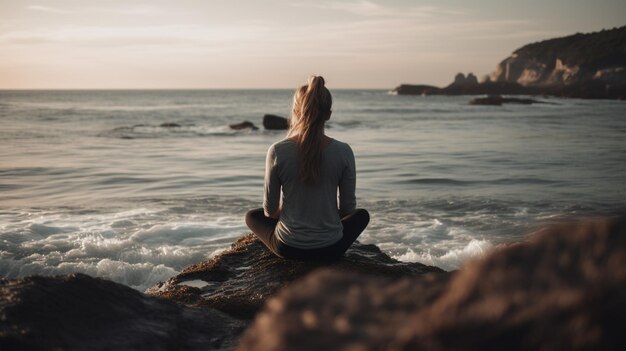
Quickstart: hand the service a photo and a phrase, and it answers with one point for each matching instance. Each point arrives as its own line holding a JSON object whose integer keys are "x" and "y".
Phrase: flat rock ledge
{"x": 239, "y": 280}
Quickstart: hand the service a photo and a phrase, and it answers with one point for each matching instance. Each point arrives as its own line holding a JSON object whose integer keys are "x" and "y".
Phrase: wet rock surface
{"x": 563, "y": 289}
{"x": 239, "y": 280}
{"x": 78, "y": 312}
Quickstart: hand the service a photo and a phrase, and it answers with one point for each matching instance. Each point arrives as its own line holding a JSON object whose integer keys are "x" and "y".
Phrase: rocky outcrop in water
{"x": 412, "y": 89}
{"x": 563, "y": 289}
{"x": 243, "y": 125}
{"x": 274, "y": 122}
{"x": 239, "y": 280}
{"x": 461, "y": 79}
{"x": 78, "y": 312}
{"x": 497, "y": 100}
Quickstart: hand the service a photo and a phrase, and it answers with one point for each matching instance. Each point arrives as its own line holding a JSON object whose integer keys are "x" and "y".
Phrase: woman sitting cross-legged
{"x": 309, "y": 222}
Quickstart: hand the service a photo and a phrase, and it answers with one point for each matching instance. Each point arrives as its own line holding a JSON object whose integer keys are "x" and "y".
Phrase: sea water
{"x": 95, "y": 182}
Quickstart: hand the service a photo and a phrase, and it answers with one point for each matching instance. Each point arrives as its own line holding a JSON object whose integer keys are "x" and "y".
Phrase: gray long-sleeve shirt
{"x": 311, "y": 214}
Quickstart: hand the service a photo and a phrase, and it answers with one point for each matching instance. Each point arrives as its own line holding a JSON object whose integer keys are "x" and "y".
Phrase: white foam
{"x": 137, "y": 248}
{"x": 450, "y": 260}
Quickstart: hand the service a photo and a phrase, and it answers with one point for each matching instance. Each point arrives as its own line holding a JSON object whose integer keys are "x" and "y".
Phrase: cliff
{"x": 575, "y": 59}
{"x": 589, "y": 65}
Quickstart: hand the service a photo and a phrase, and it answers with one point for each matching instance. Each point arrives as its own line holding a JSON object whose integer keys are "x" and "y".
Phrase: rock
{"x": 471, "y": 79}
{"x": 239, "y": 280}
{"x": 78, "y": 312}
{"x": 564, "y": 288}
{"x": 274, "y": 122}
{"x": 243, "y": 125}
{"x": 408, "y": 89}
{"x": 459, "y": 79}
{"x": 170, "y": 125}
{"x": 497, "y": 100}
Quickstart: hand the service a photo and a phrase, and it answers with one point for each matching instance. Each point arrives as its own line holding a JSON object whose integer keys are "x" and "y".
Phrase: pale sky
{"x": 111, "y": 44}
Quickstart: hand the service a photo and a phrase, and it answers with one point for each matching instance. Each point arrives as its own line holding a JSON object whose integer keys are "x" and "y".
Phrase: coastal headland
{"x": 591, "y": 66}
{"x": 561, "y": 288}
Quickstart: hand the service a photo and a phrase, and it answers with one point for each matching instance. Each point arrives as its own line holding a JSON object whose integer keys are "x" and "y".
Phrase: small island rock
{"x": 243, "y": 125}
{"x": 274, "y": 122}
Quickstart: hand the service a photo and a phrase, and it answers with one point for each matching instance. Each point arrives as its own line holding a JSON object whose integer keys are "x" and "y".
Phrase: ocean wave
{"x": 452, "y": 259}
{"x": 80, "y": 106}
{"x": 455, "y": 182}
{"x": 136, "y": 247}
{"x": 171, "y": 129}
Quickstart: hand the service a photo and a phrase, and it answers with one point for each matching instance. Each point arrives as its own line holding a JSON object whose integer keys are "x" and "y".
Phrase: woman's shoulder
{"x": 340, "y": 145}
{"x": 283, "y": 146}
{"x": 284, "y": 143}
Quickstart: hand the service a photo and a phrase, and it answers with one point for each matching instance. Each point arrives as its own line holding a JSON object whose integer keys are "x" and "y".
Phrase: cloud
{"x": 128, "y": 10}
{"x": 149, "y": 35}
{"x": 367, "y": 8}
{"x": 47, "y": 9}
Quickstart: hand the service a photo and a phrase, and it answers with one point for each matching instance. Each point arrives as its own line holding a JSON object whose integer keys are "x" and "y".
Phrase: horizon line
{"x": 181, "y": 89}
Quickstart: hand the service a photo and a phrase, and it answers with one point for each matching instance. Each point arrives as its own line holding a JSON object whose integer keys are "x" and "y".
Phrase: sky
{"x": 206, "y": 44}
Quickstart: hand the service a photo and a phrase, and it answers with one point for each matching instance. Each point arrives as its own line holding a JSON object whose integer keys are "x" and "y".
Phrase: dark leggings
{"x": 263, "y": 227}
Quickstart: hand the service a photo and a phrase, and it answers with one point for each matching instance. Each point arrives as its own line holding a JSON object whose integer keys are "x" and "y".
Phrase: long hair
{"x": 311, "y": 108}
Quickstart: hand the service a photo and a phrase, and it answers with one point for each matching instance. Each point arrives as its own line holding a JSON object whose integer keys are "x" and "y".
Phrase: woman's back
{"x": 301, "y": 216}
{"x": 310, "y": 216}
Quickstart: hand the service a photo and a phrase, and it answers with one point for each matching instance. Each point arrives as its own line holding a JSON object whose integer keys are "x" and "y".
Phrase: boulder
{"x": 241, "y": 279}
{"x": 563, "y": 288}
{"x": 243, "y": 125}
{"x": 274, "y": 122}
{"x": 78, "y": 312}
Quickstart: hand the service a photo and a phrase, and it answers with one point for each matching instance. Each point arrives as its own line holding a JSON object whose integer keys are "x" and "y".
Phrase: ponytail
{"x": 311, "y": 108}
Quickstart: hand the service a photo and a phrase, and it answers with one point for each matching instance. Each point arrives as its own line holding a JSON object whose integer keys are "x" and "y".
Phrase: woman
{"x": 307, "y": 222}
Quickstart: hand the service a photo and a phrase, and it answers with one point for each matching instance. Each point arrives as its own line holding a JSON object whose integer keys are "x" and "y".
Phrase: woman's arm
{"x": 271, "y": 193}
{"x": 347, "y": 186}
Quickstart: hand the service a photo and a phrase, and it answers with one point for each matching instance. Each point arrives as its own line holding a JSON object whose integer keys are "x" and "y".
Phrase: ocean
{"x": 94, "y": 182}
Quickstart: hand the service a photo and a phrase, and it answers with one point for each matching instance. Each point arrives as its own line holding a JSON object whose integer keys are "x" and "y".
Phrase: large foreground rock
{"x": 563, "y": 289}
{"x": 239, "y": 280}
{"x": 78, "y": 312}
